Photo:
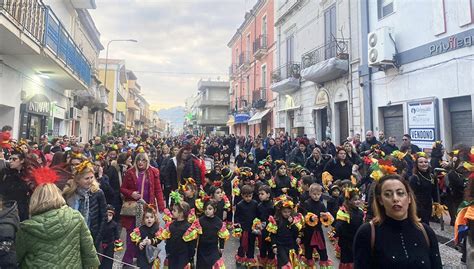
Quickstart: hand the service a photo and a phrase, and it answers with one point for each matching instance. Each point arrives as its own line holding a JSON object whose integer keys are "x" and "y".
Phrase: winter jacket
{"x": 129, "y": 185}
{"x": 56, "y": 239}
{"x": 191, "y": 169}
{"x": 97, "y": 212}
{"x": 13, "y": 187}
{"x": 9, "y": 222}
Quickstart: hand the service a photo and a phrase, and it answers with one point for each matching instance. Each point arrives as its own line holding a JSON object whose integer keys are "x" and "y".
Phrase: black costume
{"x": 14, "y": 188}
{"x": 209, "y": 242}
{"x": 179, "y": 252}
{"x": 339, "y": 171}
{"x": 346, "y": 230}
{"x": 314, "y": 236}
{"x": 398, "y": 244}
{"x": 149, "y": 232}
{"x": 284, "y": 240}
{"x": 110, "y": 233}
{"x": 245, "y": 213}
{"x": 265, "y": 209}
{"x": 425, "y": 191}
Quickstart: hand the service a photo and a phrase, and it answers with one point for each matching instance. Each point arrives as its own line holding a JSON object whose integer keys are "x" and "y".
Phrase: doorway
{"x": 35, "y": 127}
{"x": 343, "y": 121}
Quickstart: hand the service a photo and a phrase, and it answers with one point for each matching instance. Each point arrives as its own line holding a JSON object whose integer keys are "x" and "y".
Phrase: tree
{"x": 118, "y": 130}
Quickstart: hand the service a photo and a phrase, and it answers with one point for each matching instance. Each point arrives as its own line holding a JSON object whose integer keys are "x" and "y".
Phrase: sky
{"x": 179, "y": 42}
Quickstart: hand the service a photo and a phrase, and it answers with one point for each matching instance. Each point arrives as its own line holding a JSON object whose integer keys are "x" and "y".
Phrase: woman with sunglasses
{"x": 13, "y": 185}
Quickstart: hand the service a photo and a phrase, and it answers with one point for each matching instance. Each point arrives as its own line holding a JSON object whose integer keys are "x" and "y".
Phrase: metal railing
{"x": 260, "y": 43}
{"x": 232, "y": 71}
{"x": 58, "y": 40}
{"x": 259, "y": 98}
{"x": 335, "y": 48}
{"x": 291, "y": 69}
{"x": 244, "y": 58}
{"x": 40, "y": 23}
{"x": 29, "y": 15}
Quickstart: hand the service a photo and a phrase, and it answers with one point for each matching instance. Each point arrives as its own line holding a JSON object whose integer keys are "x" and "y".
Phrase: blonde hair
{"x": 45, "y": 198}
{"x": 379, "y": 210}
{"x": 71, "y": 185}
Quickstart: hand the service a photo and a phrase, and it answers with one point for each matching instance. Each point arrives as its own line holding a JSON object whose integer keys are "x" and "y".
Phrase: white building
{"x": 48, "y": 52}
{"x": 212, "y": 106}
{"x": 429, "y": 94}
{"x": 316, "y": 58}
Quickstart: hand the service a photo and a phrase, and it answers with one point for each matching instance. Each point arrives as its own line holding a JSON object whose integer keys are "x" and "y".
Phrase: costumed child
{"x": 333, "y": 202}
{"x": 284, "y": 232}
{"x": 265, "y": 209}
{"x": 212, "y": 234}
{"x": 223, "y": 203}
{"x": 305, "y": 182}
{"x": 179, "y": 253}
{"x": 348, "y": 220}
{"x": 188, "y": 190}
{"x": 144, "y": 236}
{"x": 110, "y": 241}
{"x": 245, "y": 213}
{"x": 316, "y": 214}
{"x": 282, "y": 183}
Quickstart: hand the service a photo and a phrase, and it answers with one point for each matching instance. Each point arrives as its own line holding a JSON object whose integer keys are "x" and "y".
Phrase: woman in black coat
{"x": 315, "y": 164}
{"x": 339, "y": 167}
{"x": 425, "y": 188}
{"x": 178, "y": 168}
{"x": 13, "y": 185}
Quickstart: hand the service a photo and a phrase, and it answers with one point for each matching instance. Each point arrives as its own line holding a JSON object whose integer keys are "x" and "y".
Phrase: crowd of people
{"x": 63, "y": 201}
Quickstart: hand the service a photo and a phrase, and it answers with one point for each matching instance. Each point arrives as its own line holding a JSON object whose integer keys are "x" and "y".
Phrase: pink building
{"x": 252, "y": 47}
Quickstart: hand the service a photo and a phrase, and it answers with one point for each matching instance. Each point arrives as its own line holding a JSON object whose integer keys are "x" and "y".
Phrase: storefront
{"x": 34, "y": 117}
{"x": 57, "y": 125}
{"x": 322, "y": 116}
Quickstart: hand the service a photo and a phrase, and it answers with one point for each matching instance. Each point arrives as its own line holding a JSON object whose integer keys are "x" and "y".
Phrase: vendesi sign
{"x": 422, "y": 122}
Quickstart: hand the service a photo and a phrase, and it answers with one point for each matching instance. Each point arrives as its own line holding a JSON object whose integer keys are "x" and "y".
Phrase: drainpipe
{"x": 365, "y": 72}
{"x": 349, "y": 84}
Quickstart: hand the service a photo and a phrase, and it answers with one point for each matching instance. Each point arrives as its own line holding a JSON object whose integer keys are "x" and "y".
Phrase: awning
{"x": 289, "y": 108}
{"x": 319, "y": 107}
{"x": 231, "y": 121}
{"x": 257, "y": 118}
{"x": 241, "y": 118}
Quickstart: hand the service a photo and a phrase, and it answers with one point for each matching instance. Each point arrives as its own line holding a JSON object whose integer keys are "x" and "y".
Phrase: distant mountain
{"x": 174, "y": 114}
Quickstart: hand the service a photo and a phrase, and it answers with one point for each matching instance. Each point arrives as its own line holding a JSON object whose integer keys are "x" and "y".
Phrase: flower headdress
{"x": 187, "y": 182}
{"x": 176, "y": 197}
{"x": 469, "y": 165}
{"x": 380, "y": 168}
{"x": 437, "y": 144}
{"x": 82, "y": 166}
{"x": 398, "y": 154}
{"x": 348, "y": 191}
{"x": 76, "y": 155}
{"x": 280, "y": 163}
{"x": 284, "y": 201}
{"x": 100, "y": 156}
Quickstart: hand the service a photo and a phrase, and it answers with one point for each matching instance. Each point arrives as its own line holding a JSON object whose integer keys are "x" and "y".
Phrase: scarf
{"x": 84, "y": 194}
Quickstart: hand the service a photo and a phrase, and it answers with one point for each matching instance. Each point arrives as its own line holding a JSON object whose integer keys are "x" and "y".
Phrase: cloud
{"x": 179, "y": 42}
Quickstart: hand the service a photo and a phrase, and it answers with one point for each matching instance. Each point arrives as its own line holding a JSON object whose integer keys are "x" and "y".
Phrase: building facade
{"x": 427, "y": 91}
{"x": 252, "y": 48}
{"x": 315, "y": 62}
{"x": 40, "y": 81}
{"x": 212, "y": 106}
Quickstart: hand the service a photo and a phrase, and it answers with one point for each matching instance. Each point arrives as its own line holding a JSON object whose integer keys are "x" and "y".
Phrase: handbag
{"x": 129, "y": 208}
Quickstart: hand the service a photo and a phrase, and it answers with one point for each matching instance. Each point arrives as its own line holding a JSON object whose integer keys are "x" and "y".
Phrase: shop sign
{"x": 39, "y": 104}
{"x": 452, "y": 43}
{"x": 59, "y": 112}
{"x": 322, "y": 98}
{"x": 422, "y": 122}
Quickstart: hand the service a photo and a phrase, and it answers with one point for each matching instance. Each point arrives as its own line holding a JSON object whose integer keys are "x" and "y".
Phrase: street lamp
{"x": 105, "y": 76}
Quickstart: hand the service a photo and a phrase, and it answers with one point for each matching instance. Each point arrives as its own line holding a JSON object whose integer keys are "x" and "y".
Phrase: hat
{"x": 332, "y": 188}
{"x": 110, "y": 209}
{"x": 227, "y": 173}
{"x": 280, "y": 163}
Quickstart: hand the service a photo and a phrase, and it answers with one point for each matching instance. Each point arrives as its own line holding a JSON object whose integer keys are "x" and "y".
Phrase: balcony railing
{"x": 244, "y": 58}
{"x": 291, "y": 69}
{"x": 335, "y": 48}
{"x": 29, "y": 15}
{"x": 232, "y": 71}
{"x": 260, "y": 46}
{"x": 259, "y": 98}
{"x": 58, "y": 40}
{"x": 120, "y": 117}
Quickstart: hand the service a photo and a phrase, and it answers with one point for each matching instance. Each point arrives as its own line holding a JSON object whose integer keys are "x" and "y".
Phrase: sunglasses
{"x": 142, "y": 160}
{"x": 13, "y": 158}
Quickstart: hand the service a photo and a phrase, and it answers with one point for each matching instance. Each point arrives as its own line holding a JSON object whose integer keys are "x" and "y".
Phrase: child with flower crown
{"x": 145, "y": 235}
{"x": 282, "y": 183}
{"x": 179, "y": 253}
{"x": 212, "y": 234}
{"x": 348, "y": 220}
{"x": 315, "y": 213}
{"x": 284, "y": 232}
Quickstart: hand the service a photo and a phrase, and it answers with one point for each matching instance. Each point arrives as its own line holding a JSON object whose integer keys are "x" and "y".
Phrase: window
{"x": 384, "y": 7}
{"x": 290, "y": 48}
{"x": 264, "y": 25}
{"x": 330, "y": 31}
{"x": 247, "y": 48}
{"x": 236, "y": 56}
{"x": 264, "y": 76}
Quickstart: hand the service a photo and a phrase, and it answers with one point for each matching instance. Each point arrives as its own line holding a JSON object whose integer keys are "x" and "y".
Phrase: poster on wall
{"x": 423, "y": 123}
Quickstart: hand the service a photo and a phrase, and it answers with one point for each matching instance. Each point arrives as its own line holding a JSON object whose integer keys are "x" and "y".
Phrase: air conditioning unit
{"x": 74, "y": 113}
{"x": 381, "y": 48}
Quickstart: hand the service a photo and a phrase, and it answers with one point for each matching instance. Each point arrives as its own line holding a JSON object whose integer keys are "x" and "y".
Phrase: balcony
{"x": 327, "y": 62}
{"x": 286, "y": 78}
{"x": 260, "y": 47}
{"x": 204, "y": 121}
{"x": 207, "y": 102}
{"x": 259, "y": 98}
{"x": 31, "y": 32}
{"x": 131, "y": 104}
{"x": 233, "y": 71}
{"x": 120, "y": 117}
{"x": 244, "y": 59}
